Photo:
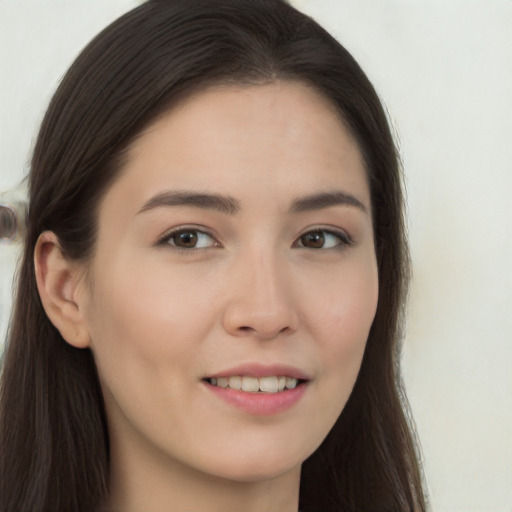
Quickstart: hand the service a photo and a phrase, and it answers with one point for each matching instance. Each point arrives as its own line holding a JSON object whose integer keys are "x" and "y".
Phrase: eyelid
{"x": 345, "y": 239}
{"x": 165, "y": 238}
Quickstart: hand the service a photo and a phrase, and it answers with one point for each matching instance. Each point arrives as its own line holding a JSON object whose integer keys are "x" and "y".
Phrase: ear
{"x": 58, "y": 280}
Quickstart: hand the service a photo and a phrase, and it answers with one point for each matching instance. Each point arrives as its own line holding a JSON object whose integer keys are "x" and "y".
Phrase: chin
{"x": 266, "y": 465}
{"x": 259, "y": 474}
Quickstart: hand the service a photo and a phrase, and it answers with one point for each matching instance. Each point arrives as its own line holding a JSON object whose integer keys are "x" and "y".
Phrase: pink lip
{"x": 261, "y": 404}
{"x": 262, "y": 370}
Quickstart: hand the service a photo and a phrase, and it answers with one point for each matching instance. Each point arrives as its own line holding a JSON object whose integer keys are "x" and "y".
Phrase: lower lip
{"x": 261, "y": 404}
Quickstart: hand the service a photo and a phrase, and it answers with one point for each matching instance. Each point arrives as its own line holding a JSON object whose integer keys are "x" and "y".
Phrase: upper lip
{"x": 262, "y": 370}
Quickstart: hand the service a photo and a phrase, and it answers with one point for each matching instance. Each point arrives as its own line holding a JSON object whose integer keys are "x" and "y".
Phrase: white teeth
{"x": 291, "y": 382}
{"x": 273, "y": 384}
{"x": 222, "y": 382}
{"x": 250, "y": 384}
{"x": 235, "y": 382}
{"x": 269, "y": 384}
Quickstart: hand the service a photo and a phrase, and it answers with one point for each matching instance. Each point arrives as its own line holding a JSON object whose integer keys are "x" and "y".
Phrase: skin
{"x": 159, "y": 318}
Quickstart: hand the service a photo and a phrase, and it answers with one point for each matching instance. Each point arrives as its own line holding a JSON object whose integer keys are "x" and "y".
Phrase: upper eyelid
{"x": 342, "y": 233}
{"x": 164, "y": 238}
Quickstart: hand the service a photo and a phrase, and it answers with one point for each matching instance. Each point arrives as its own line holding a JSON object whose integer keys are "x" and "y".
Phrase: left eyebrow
{"x": 326, "y": 200}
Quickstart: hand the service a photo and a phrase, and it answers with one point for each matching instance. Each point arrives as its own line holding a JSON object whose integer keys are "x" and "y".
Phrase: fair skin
{"x": 272, "y": 267}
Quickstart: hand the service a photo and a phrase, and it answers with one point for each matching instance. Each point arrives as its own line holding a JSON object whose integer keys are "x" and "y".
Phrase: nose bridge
{"x": 260, "y": 302}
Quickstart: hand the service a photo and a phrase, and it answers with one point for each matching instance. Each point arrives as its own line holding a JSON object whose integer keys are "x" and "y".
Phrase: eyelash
{"x": 343, "y": 237}
{"x": 165, "y": 240}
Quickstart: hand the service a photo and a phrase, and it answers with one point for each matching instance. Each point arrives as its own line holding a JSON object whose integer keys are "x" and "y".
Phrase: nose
{"x": 260, "y": 300}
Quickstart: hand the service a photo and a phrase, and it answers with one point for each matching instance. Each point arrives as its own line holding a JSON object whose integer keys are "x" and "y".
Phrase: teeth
{"x": 235, "y": 382}
{"x": 222, "y": 382}
{"x": 250, "y": 384}
{"x": 269, "y": 384}
{"x": 290, "y": 382}
{"x": 272, "y": 384}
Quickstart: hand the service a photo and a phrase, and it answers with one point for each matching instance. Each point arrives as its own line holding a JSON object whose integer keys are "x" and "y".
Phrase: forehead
{"x": 246, "y": 141}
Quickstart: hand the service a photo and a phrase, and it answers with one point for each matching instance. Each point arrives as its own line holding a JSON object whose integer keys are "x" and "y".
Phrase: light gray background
{"x": 443, "y": 69}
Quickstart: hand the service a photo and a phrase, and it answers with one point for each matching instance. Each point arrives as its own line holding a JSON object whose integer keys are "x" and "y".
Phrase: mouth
{"x": 250, "y": 384}
{"x": 259, "y": 389}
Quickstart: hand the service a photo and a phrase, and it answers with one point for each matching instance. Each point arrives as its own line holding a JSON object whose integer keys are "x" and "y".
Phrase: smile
{"x": 270, "y": 384}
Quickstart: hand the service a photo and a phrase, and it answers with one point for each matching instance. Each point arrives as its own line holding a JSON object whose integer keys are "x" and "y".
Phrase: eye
{"x": 188, "y": 238}
{"x": 323, "y": 239}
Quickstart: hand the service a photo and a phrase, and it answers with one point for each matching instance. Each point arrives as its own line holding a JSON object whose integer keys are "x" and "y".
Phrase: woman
{"x": 208, "y": 307}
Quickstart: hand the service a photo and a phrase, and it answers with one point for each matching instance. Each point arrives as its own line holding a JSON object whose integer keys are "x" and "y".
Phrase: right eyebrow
{"x": 223, "y": 204}
{"x": 326, "y": 200}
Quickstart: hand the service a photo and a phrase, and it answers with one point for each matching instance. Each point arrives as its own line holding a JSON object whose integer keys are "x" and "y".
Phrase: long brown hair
{"x": 54, "y": 441}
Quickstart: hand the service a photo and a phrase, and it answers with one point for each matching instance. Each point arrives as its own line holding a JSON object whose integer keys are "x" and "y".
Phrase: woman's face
{"x": 236, "y": 248}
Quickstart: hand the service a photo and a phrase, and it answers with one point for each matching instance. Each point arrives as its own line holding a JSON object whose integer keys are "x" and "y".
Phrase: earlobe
{"x": 57, "y": 283}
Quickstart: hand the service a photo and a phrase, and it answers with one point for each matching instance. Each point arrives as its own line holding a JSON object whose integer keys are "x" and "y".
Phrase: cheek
{"x": 145, "y": 305}
{"x": 341, "y": 322}
{"x": 141, "y": 326}
{"x": 351, "y": 313}
{"x": 345, "y": 305}
{"x": 342, "y": 339}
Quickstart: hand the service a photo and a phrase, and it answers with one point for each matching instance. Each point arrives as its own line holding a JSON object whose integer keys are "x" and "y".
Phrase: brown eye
{"x": 323, "y": 239}
{"x": 189, "y": 239}
{"x": 313, "y": 240}
{"x": 185, "y": 239}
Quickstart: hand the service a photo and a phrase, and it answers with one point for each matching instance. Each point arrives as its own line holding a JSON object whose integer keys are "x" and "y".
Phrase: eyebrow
{"x": 230, "y": 206}
{"x": 326, "y": 200}
{"x": 223, "y": 204}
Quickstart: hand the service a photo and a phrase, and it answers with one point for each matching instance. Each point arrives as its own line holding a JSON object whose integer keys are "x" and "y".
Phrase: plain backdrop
{"x": 443, "y": 70}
